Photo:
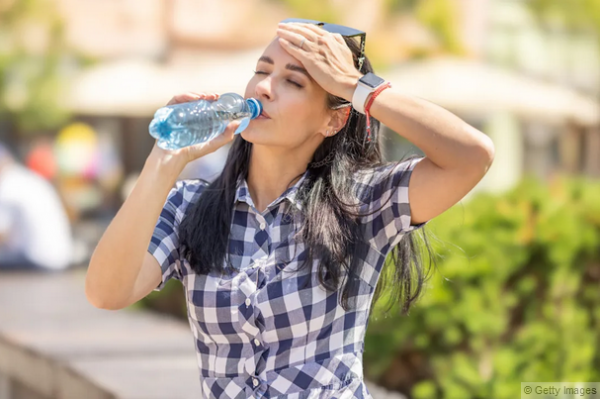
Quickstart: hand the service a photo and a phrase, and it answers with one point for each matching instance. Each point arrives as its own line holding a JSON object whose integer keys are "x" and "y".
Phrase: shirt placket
{"x": 250, "y": 315}
{"x": 249, "y": 312}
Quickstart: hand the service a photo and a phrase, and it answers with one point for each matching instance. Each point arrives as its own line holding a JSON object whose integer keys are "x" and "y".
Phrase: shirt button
{"x": 256, "y": 342}
{"x": 255, "y": 382}
{"x": 262, "y": 226}
{"x": 248, "y": 302}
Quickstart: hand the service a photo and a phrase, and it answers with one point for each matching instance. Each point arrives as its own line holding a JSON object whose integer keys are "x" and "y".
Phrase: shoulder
{"x": 190, "y": 188}
{"x": 381, "y": 170}
{"x": 381, "y": 177}
{"x": 186, "y": 192}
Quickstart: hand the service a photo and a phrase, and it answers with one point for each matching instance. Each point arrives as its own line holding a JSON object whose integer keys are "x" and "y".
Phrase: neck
{"x": 271, "y": 173}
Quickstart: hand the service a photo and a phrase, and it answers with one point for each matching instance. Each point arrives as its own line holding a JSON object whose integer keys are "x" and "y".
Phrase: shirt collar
{"x": 243, "y": 194}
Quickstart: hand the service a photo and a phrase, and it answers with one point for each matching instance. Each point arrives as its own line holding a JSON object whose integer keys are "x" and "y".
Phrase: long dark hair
{"x": 331, "y": 230}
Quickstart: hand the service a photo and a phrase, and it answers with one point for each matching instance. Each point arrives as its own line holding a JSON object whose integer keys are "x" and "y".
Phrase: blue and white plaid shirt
{"x": 261, "y": 332}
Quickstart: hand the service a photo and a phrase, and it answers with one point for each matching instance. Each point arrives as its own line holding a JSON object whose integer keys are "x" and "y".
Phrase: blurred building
{"x": 534, "y": 89}
{"x": 149, "y": 50}
{"x": 505, "y": 33}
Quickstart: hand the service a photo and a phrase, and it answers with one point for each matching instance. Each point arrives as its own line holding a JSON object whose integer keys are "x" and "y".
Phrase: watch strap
{"x": 359, "y": 98}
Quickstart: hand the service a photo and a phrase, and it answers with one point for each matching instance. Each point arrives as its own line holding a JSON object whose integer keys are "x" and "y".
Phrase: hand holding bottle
{"x": 180, "y": 157}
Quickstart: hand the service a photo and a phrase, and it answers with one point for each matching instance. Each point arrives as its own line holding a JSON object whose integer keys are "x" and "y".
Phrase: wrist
{"x": 163, "y": 164}
{"x": 365, "y": 87}
{"x": 350, "y": 87}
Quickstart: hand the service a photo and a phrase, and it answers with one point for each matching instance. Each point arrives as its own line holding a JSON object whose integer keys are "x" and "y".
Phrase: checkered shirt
{"x": 267, "y": 330}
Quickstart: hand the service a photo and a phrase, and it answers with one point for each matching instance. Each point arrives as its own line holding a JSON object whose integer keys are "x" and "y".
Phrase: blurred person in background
{"x": 35, "y": 233}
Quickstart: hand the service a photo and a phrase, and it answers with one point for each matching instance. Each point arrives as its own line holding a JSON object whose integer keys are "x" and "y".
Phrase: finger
{"x": 227, "y": 135}
{"x": 212, "y": 96}
{"x": 291, "y": 48}
{"x": 310, "y": 31}
{"x": 193, "y": 96}
{"x": 201, "y": 149}
{"x": 294, "y": 38}
{"x": 339, "y": 38}
{"x": 316, "y": 29}
{"x": 185, "y": 97}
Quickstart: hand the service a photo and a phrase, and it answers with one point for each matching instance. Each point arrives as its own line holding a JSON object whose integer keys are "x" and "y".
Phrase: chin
{"x": 251, "y": 135}
{"x": 257, "y": 137}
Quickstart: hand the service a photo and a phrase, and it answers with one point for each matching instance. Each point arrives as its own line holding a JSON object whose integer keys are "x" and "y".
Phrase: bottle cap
{"x": 255, "y": 106}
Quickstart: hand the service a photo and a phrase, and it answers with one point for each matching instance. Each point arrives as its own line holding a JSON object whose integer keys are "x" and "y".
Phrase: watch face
{"x": 372, "y": 80}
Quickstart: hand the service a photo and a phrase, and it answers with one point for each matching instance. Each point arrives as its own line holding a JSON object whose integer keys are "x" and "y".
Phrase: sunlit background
{"x": 516, "y": 294}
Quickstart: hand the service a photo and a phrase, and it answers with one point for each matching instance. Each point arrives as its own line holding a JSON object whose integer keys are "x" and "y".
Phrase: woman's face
{"x": 295, "y": 103}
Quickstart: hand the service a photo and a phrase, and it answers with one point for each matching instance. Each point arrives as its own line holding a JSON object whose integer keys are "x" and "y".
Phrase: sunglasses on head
{"x": 342, "y": 30}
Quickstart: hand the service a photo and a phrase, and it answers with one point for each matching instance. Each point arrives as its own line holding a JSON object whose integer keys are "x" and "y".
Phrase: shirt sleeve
{"x": 164, "y": 245}
{"x": 385, "y": 194}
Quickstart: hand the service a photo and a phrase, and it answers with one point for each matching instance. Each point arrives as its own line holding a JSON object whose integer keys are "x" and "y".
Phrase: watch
{"x": 366, "y": 85}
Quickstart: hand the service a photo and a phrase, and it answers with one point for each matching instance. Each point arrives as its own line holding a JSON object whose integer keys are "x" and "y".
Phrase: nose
{"x": 263, "y": 89}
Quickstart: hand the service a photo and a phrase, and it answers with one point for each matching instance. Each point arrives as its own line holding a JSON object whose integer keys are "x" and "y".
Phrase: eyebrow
{"x": 292, "y": 67}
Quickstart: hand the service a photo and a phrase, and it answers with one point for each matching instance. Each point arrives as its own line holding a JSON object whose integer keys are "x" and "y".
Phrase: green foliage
{"x": 440, "y": 16}
{"x": 574, "y": 14}
{"x": 516, "y": 297}
{"x": 170, "y": 300}
{"x": 402, "y": 6}
{"x": 34, "y": 64}
{"x": 319, "y": 10}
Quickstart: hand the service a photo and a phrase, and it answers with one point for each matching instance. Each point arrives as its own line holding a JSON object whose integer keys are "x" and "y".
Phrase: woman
{"x": 280, "y": 256}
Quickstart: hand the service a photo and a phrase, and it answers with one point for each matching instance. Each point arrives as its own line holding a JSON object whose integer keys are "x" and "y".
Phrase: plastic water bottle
{"x": 185, "y": 124}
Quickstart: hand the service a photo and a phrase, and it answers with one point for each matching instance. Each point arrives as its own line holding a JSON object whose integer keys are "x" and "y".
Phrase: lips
{"x": 264, "y": 114}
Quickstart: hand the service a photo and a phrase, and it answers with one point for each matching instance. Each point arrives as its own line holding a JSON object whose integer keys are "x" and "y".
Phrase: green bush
{"x": 515, "y": 297}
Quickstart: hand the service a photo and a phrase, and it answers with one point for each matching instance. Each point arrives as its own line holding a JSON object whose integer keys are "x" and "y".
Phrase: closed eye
{"x": 265, "y": 73}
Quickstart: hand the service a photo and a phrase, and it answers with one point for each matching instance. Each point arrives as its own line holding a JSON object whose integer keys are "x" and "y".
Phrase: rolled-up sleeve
{"x": 164, "y": 245}
{"x": 386, "y": 196}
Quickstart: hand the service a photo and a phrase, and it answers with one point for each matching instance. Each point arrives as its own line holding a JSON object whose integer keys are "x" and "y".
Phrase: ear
{"x": 339, "y": 118}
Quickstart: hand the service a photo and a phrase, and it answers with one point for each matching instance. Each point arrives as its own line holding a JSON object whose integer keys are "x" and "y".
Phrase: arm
{"x": 121, "y": 270}
{"x": 121, "y": 255}
{"x": 457, "y": 154}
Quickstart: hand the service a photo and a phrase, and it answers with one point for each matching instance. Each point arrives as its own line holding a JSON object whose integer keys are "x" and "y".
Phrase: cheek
{"x": 297, "y": 116}
{"x": 250, "y": 88}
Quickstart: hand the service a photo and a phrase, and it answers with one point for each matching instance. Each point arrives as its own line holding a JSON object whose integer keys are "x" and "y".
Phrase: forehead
{"x": 278, "y": 54}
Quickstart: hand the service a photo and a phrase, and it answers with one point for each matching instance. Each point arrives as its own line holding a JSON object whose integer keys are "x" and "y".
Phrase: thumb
{"x": 229, "y": 132}
{"x": 202, "y": 149}
{"x": 225, "y": 137}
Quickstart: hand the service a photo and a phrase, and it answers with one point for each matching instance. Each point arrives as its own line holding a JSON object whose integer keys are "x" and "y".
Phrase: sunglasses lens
{"x": 342, "y": 30}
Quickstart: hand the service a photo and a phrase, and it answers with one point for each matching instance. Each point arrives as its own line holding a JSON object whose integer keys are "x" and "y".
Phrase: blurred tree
{"x": 575, "y": 14}
{"x": 514, "y": 298}
{"x": 312, "y": 9}
{"x": 403, "y": 6}
{"x": 387, "y": 45}
{"x": 440, "y": 17}
{"x": 34, "y": 65}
